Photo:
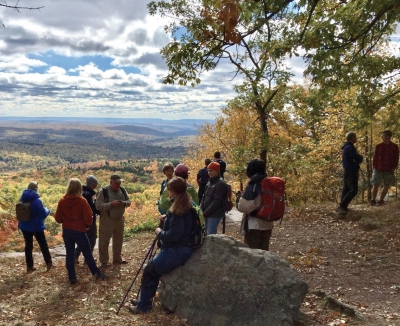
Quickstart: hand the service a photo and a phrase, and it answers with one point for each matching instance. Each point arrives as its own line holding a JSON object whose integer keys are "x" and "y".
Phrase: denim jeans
{"x": 92, "y": 235}
{"x": 166, "y": 261}
{"x": 211, "y": 224}
{"x": 41, "y": 239}
{"x": 350, "y": 188}
{"x": 72, "y": 237}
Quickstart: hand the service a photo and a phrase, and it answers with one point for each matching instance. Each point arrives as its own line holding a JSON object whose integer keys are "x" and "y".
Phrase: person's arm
{"x": 87, "y": 213}
{"x": 176, "y": 229}
{"x": 39, "y": 210}
{"x": 376, "y": 157}
{"x": 59, "y": 216}
{"x": 247, "y": 206}
{"x": 396, "y": 157}
{"x": 193, "y": 193}
{"x": 126, "y": 202}
{"x": 164, "y": 202}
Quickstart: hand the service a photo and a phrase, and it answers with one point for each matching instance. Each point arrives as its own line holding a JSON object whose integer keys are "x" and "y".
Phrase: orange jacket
{"x": 74, "y": 213}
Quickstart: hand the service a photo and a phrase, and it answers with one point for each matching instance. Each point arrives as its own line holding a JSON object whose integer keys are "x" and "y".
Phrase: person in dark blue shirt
{"x": 202, "y": 179}
{"x": 351, "y": 161}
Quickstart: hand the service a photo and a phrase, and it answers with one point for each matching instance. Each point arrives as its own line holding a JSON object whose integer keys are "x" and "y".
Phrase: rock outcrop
{"x": 226, "y": 283}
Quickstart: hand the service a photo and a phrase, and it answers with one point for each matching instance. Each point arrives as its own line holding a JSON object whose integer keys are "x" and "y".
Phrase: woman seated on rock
{"x": 75, "y": 214}
{"x": 176, "y": 244}
{"x": 257, "y": 232}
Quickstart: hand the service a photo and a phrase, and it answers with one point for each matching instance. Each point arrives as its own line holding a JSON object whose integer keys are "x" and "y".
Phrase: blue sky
{"x": 101, "y": 58}
{"x": 95, "y": 58}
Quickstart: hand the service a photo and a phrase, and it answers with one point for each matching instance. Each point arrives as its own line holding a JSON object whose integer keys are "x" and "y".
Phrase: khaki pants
{"x": 111, "y": 228}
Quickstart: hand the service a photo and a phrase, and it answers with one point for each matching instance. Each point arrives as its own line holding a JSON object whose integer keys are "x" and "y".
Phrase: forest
{"x": 52, "y": 153}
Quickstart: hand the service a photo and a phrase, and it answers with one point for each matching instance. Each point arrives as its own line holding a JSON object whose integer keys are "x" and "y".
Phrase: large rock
{"x": 226, "y": 283}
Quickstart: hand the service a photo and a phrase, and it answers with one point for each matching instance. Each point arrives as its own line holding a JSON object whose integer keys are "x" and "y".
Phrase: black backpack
{"x": 197, "y": 233}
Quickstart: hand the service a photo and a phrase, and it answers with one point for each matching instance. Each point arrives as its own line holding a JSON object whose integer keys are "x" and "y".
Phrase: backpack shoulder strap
{"x": 105, "y": 194}
{"x": 125, "y": 193}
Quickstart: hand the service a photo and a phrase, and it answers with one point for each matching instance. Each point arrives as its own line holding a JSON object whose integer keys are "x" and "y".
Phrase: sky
{"x": 95, "y": 58}
{"x": 98, "y": 58}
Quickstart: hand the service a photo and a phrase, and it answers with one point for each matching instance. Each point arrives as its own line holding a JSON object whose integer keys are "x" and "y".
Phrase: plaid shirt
{"x": 386, "y": 157}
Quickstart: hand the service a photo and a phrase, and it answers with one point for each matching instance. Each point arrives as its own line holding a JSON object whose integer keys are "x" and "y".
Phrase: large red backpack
{"x": 272, "y": 199}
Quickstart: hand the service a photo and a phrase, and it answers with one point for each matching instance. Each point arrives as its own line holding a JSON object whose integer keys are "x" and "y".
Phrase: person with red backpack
{"x": 257, "y": 231}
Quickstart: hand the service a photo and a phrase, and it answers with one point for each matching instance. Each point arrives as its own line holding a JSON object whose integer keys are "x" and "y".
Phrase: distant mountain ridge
{"x": 141, "y": 130}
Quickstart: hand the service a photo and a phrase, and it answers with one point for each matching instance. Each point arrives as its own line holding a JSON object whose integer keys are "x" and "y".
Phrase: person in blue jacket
{"x": 351, "y": 161}
{"x": 176, "y": 244}
{"x": 35, "y": 227}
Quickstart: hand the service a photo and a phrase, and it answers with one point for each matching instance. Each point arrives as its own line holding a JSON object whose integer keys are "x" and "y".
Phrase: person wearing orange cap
{"x": 212, "y": 203}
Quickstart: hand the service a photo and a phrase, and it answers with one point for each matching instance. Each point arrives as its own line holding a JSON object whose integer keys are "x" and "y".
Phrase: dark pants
{"x": 258, "y": 239}
{"x": 166, "y": 261}
{"x": 72, "y": 237}
{"x": 200, "y": 193}
{"x": 41, "y": 239}
{"x": 350, "y": 188}
{"x": 92, "y": 235}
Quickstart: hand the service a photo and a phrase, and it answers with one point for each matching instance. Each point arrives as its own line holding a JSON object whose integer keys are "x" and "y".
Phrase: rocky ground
{"x": 352, "y": 266}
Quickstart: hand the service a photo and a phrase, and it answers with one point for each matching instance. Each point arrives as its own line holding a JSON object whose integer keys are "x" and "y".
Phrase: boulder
{"x": 226, "y": 283}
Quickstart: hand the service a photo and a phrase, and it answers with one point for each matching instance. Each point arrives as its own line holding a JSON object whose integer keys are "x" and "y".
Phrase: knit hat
{"x": 181, "y": 168}
{"x": 213, "y": 166}
{"x": 116, "y": 178}
{"x": 91, "y": 181}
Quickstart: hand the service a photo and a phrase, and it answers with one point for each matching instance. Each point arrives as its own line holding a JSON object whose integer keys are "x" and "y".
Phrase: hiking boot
{"x": 30, "y": 269}
{"x": 381, "y": 202}
{"x": 49, "y": 266}
{"x": 104, "y": 265}
{"x": 122, "y": 262}
{"x": 341, "y": 210}
{"x": 101, "y": 277}
{"x": 134, "y": 302}
{"x": 373, "y": 202}
{"x": 136, "y": 311}
{"x": 73, "y": 281}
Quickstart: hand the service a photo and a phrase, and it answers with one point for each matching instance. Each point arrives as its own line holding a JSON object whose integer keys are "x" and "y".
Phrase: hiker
{"x": 222, "y": 164}
{"x": 202, "y": 179}
{"x": 168, "y": 170}
{"x": 257, "y": 232}
{"x": 181, "y": 171}
{"x": 88, "y": 193}
{"x": 386, "y": 160}
{"x": 351, "y": 161}
{"x": 74, "y": 212}
{"x": 212, "y": 203}
{"x": 112, "y": 202}
{"x": 175, "y": 245}
{"x": 35, "y": 227}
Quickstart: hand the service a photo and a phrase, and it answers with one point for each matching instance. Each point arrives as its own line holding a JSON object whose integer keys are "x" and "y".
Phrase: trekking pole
{"x": 140, "y": 268}
{"x": 223, "y": 223}
{"x": 152, "y": 255}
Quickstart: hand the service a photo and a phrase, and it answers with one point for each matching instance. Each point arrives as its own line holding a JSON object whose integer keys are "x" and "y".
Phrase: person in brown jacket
{"x": 75, "y": 214}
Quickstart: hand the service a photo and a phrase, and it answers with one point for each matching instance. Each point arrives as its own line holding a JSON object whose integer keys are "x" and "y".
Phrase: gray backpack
{"x": 23, "y": 211}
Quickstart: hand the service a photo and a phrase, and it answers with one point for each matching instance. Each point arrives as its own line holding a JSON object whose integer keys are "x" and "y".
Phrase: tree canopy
{"x": 342, "y": 43}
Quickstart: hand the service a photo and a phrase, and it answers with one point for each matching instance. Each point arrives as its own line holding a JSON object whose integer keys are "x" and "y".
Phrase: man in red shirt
{"x": 386, "y": 160}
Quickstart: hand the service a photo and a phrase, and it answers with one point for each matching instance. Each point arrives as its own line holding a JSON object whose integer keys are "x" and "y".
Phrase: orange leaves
{"x": 224, "y": 21}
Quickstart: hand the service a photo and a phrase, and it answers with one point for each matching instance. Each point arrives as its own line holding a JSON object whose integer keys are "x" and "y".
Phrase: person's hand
{"x": 117, "y": 203}
{"x": 162, "y": 217}
{"x": 157, "y": 231}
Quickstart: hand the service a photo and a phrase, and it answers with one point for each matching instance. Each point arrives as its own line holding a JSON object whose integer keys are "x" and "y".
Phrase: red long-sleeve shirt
{"x": 386, "y": 157}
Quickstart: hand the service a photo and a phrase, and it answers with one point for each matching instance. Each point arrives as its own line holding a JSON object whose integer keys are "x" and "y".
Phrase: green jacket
{"x": 165, "y": 203}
